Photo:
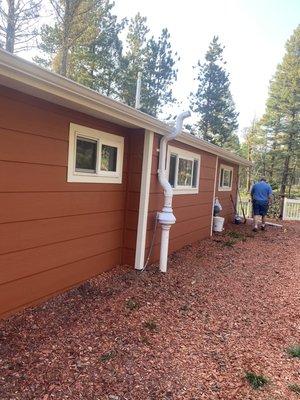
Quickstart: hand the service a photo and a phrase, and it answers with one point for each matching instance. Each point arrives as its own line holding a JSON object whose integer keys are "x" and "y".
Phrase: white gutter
{"x": 166, "y": 218}
{"x": 26, "y": 77}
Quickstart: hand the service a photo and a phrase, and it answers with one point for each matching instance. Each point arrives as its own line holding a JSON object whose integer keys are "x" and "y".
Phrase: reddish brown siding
{"x": 224, "y": 196}
{"x": 54, "y": 234}
{"x": 133, "y": 192}
{"x": 192, "y": 211}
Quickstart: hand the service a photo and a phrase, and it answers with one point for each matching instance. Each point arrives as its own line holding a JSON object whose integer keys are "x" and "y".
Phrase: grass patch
{"x": 108, "y": 356}
{"x": 294, "y": 351}
{"x": 145, "y": 340}
{"x": 295, "y": 388}
{"x": 229, "y": 243}
{"x": 256, "y": 381}
{"x": 151, "y": 325}
{"x": 132, "y": 304}
{"x": 235, "y": 235}
{"x": 184, "y": 308}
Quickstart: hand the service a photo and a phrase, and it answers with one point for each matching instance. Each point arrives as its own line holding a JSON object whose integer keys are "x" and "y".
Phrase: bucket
{"x": 218, "y": 223}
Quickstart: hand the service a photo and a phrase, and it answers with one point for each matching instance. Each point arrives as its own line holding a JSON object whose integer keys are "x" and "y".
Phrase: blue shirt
{"x": 261, "y": 191}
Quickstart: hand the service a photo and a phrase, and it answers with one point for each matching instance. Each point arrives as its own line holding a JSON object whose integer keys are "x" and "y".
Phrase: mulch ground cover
{"x": 228, "y": 307}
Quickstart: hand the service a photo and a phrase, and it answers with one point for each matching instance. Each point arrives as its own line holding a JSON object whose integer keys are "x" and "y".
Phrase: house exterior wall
{"x": 224, "y": 196}
{"x": 135, "y": 161}
{"x": 56, "y": 234}
{"x": 193, "y": 212}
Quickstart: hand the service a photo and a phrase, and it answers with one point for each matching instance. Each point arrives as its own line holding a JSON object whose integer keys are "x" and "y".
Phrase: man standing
{"x": 261, "y": 194}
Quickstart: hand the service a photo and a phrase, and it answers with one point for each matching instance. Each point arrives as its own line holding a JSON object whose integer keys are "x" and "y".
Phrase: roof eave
{"x": 29, "y": 78}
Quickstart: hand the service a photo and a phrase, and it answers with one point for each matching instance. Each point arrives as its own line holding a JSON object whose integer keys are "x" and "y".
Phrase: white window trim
{"x": 225, "y": 188}
{"x": 188, "y": 155}
{"x": 101, "y": 138}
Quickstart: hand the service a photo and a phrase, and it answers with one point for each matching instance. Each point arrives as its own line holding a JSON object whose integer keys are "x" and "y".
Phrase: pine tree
{"x": 156, "y": 62}
{"x": 213, "y": 101}
{"x": 282, "y": 118}
{"x": 98, "y": 65}
{"x": 159, "y": 74}
{"x": 134, "y": 58}
{"x": 18, "y": 19}
{"x": 75, "y": 24}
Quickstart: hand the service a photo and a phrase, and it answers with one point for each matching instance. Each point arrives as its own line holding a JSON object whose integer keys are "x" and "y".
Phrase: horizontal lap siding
{"x": 192, "y": 211}
{"x": 136, "y": 145}
{"x": 54, "y": 234}
{"x": 224, "y": 196}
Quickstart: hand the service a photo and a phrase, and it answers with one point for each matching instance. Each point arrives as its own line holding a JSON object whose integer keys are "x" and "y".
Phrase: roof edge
{"x": 23, "y": 75}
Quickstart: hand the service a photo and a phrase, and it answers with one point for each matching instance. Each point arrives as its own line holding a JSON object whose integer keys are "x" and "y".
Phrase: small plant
{"x": 295, "y": 388}
{"x": 235, "y": 235}
{"x": 145, "y": 340}
{"x": 184, "y": 308}
{"x": 151, "y": 325}
{"x": 229, "y": 243}
{"x": 294, "y": 351}
{"x": 132, "y": 304}
{"x": 256, "y": 381}
{"x": 107, "y": 356}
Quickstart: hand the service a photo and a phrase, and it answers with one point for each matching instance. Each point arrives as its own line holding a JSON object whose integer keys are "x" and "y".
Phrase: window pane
{"x": 230, "y": 178}
{"x": 86, "y": 154}
{"x": 184, "y": 172}
{"x": 221, "y": 177}
{"x": 195, "y": 174}
{"x": 226, "y": 178}
{"x": 109, "y": 158}
{"x": 172, "y": 169}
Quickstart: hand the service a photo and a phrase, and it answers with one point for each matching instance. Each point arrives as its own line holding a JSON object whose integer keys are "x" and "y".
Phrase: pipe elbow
{"x": 179, "y": 121}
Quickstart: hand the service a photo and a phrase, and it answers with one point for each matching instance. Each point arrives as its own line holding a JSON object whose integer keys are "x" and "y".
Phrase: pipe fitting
{"x": 166, "y": 218}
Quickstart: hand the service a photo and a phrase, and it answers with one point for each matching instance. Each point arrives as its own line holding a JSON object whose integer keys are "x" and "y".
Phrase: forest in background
{"x": 85, "y": 41}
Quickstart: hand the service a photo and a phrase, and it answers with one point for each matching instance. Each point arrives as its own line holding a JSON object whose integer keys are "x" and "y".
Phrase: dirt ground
{"x": 228, "y": 305}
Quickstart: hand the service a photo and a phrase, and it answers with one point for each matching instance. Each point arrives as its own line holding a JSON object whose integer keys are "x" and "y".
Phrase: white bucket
{"x": 218, "y": 223}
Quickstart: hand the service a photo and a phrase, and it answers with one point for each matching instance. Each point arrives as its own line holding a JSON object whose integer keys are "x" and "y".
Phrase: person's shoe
{"x": 255, "y": 229}
{"x": 263, "y": 227}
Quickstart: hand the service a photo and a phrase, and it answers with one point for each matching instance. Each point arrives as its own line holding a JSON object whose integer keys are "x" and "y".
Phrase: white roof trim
{"x": 29, "y": 78}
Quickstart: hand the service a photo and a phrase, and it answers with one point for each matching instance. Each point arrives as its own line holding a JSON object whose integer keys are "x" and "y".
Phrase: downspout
{"x": 166, "y": 217}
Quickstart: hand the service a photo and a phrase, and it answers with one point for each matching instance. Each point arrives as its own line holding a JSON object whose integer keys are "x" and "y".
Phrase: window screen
{"x": 86, "y": 154}
{"x": 185, "y": 168}
{"x": 108, "y": 158}
{"x": 195, "y": 174}
{"x": 172, "y": 169}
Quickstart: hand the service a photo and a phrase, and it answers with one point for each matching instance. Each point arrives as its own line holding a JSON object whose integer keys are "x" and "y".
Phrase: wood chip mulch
{"x": 227, "y": 306}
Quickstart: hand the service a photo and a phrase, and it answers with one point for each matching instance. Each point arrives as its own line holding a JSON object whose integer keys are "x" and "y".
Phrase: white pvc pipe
{"x": 164, "y": 247}
{"x": 138, "y": 91}
{"x": 166, "y": 217}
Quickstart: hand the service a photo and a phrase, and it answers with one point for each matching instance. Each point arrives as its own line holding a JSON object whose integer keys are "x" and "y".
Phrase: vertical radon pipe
{"x": 166, "y": 217}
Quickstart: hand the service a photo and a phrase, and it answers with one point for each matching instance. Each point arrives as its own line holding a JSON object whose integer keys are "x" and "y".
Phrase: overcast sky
{"x": 253, "y": 31}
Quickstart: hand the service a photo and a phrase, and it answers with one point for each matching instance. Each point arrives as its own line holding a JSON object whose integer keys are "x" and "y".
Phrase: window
{"x": 225, "y": 177}
{"x": 94, "y": 156}
{"x": 183, "y": 170}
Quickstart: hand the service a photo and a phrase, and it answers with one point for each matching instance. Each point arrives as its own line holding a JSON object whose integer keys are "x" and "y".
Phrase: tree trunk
{"x": 249, "y": 171}
{"x": 64, "y": 61}
{"x": 11, "y": 28}
{"x": 286, "y": 167}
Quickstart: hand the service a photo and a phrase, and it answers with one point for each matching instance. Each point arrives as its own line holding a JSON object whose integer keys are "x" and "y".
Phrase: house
{"x": 79, "y": 190}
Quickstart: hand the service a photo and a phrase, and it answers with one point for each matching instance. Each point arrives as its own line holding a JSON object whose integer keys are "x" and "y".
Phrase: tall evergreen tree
{"x": 98, "y": 65}
{"x": 212, "y": 99}
{"x": 282, "y": 118}
{"x": 134, "y": 58}
{"x": 156, "y": 62}
{"x": 75, "y": 23}
{"x": 18, "y": 20}
{"x": 159, "y": 74}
